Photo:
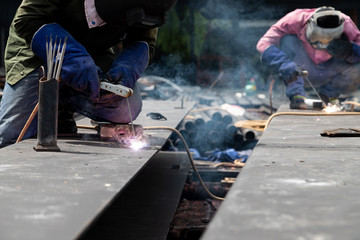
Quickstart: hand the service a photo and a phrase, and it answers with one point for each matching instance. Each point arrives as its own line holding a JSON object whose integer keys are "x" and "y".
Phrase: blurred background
{"x": 204, "y": 40}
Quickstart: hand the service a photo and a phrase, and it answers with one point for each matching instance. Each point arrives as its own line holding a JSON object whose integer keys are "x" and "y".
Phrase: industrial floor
{"x": 296, "y": 184}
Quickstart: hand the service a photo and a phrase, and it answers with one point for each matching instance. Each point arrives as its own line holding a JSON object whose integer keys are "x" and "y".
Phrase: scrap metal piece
{"x": 341, "y": 132}
{"x": 228, "y": 181}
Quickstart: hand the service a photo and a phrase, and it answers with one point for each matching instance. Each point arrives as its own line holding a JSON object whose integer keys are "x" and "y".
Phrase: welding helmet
{"x": 139, "y": 13}
{"x": 325, "y": 25}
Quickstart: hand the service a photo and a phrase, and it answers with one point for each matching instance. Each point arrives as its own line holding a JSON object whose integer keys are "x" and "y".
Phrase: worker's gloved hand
{"x": 340, "y": 48}
{"x": 78, "y": 68}
{"x": 277, "y": 59}
{"x": 290, "y": 71}
{"x": 129, "y": 65}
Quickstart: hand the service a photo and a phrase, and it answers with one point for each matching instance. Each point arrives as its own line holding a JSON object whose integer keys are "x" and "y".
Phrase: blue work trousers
{"x": 19, "y": 100}
{"x": 331, "y": 78}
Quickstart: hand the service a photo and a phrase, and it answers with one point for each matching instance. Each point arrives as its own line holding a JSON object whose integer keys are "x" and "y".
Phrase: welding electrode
{"x": 132, "y": 124}
{"x": 305, "y": 74}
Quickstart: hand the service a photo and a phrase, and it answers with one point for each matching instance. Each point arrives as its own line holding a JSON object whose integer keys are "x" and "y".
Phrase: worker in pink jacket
{"x": 322, "y": 41}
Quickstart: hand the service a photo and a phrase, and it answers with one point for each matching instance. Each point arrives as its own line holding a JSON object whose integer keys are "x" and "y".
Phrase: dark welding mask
{"x": 325, "y": 25}
{"x": 138, "y": 13}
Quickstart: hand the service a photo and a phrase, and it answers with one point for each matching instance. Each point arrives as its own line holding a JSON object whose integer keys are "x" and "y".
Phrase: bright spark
{"x": 332, "y": 108}
{"x": 137, "y": 144}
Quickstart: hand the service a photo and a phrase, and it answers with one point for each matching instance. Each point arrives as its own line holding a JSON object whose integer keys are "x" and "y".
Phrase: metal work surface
{"x": 56, "y": 195}
{"x": 296, "y": 184}
{"x": 146, "y": 207}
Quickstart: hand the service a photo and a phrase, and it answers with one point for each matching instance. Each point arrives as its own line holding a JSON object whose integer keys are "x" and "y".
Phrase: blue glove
{"x": 130, "y": 64}
{"x": 78, "y": 68}
{"x": 277, "y": 59}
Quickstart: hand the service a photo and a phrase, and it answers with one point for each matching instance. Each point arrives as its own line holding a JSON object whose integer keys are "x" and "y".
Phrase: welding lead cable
{"x": 189, "y": 155}
{"x": 309, "y": 114}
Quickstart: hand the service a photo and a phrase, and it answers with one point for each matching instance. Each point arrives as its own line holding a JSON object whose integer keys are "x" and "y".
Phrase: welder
{"x": 323, "y": 41}
{"x": 106, "y": 39}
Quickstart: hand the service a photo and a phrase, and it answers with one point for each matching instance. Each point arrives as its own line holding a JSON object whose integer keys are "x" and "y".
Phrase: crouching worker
{"x": 92, "y": 29}
{"x": 322, "y": 41}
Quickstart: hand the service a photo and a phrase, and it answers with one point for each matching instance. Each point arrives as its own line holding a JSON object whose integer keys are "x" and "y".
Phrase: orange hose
{"x": 28, "y": 122}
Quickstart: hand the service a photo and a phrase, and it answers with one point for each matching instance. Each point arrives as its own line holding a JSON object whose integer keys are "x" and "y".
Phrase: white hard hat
{"x": 325, "y": 25}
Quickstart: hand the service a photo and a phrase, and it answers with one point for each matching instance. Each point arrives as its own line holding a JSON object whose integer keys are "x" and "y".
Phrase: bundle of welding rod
{"x": 54, "y": 57}
{"x": 49, "y": 96}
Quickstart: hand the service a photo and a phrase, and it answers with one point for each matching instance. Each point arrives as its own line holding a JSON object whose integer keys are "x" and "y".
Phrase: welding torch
{"x": 304, "y": 74}
{"x": 118, "y": 89}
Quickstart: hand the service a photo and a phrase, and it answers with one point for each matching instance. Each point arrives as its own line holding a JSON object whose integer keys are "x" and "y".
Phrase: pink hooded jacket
{"x": 295, "y": 23}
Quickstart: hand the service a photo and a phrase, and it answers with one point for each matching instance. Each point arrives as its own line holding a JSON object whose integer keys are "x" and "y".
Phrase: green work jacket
{"x": 70, "y": 14}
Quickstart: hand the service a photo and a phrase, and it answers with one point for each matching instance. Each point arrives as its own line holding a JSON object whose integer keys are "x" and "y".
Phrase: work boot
{"x": 66, "y": 122}
{"x": 330, "y": 100}
{"x": 298, "y": 102}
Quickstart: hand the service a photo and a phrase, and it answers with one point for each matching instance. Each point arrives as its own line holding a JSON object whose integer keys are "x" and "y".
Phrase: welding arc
{"x": 189, "y": 155}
